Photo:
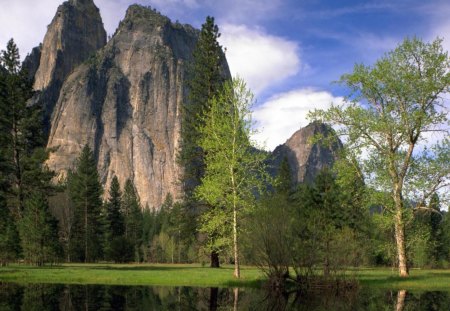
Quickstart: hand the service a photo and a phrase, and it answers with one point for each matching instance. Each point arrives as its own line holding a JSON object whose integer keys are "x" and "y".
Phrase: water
{"x": 94, "y": 297}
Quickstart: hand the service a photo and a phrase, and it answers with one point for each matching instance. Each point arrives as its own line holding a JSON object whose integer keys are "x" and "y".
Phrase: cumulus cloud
{"x": 283, "y": 114}
{"x": 261, "y": 59}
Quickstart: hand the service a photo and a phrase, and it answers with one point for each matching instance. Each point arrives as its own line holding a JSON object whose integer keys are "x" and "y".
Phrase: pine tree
{"x": 39, "y": 232}
{"x": 114, "y": 226}
{"x": 22, "y": 154}
{"x": 9, "y": 237}
{"x": 22, "y": 138}
{"x": 14, "y": 112}
{"x": 284, "y": 179}
{"x": 114, "y": 205}
{"x": 205, "y": 80}
{"x": 85, "y": 192}
{"x": 131, "y": 210}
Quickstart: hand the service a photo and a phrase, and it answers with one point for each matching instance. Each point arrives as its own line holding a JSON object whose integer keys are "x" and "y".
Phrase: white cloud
{"x": 284, "y": 114}
{"x": 26, "y": 22}
{"x": 261, "y": 59}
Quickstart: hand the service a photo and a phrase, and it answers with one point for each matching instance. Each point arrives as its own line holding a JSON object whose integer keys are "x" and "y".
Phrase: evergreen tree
{"x": 39, "y": 232}
{"x": 205, "y": 80}
{"x": 19, "y": 122}
{"x": 85, "y": 192}
{"x": 22, "y": 154}
{"x": 9, "y": 237}
{"x": 132, "y": 212}
{"x": 114, "y": 227}
{"x": 283, "y": 183}
{"x": 114, "y": 205}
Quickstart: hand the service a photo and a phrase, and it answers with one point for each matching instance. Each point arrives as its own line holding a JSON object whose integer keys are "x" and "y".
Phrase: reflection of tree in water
{"x": 94, "y": 297}
{"x": 401, "y": 296}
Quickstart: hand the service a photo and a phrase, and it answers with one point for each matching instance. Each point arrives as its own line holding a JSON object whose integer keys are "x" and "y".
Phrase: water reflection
{"x": 94, "y": 297}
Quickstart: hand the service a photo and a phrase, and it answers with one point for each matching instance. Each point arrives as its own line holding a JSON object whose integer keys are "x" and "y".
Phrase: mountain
{"x": 123, "y": 99}
{"x": 125, "y": 103}
{"x": 305, "y": 157}
{"x": 75, "y": 34}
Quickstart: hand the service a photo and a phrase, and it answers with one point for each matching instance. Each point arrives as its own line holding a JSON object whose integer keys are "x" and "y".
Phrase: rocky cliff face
{"x": 305, "y": 158}
{"x": 75, "y": 33}
{"x": 125, "y": 103}
{"x": 32, "y": 61}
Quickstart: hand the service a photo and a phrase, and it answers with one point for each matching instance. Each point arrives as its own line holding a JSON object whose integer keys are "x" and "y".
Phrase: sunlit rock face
{"x": 307, "y": 158}
{"x": 75, "y": 34}
{"x": 125, "y": 103}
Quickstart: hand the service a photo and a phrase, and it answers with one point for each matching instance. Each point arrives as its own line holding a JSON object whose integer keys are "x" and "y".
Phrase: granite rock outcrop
{"x": 75, "y": 34}
{"x": 305, "y": 156}
{"x": 125, "y": 103}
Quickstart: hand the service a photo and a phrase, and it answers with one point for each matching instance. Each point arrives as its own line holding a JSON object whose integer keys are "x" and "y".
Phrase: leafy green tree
{"x": 85, "y": 192}
{"x": 234, "y": 171}
{"x": 391, "y": 108}
{"x": 39, "y": 232}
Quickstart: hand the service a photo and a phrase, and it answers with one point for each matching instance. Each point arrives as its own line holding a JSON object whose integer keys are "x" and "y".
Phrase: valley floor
{"x": 196, "y": 275}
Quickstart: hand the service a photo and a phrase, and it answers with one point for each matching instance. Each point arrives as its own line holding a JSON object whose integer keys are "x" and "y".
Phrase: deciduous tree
{"x": 392, "y": 111}
{"x": 234, "y": 169}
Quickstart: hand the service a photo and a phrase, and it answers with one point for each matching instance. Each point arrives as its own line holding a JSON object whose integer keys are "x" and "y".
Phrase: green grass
{"x": 133, "y": 274}
{"x": 195, "y": 275}
{"x": 419, "y": 279}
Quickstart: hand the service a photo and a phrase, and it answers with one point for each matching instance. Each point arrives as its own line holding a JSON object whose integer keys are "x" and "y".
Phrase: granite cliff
{"x": 75, "y": 34}
{"x": 306, "y": 159}
{"x": 125, "y": 103}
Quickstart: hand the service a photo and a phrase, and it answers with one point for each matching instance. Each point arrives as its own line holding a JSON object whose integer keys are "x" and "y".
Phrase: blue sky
{"x": 288, "y": 51}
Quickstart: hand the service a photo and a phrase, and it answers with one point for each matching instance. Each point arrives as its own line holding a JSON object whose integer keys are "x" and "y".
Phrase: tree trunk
{"x": 86, "y": 232}
{"x": 326, "y": 265}
{"x": 400, "y": 236}
{"x": 215, "y": 259}
{"x": 237, "y": 270}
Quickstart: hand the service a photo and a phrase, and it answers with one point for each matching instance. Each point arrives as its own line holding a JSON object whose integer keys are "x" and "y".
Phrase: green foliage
{"x": 85, "y": 192}
{"x": 283, "y": 183}
{"x": 113, "y": 220}
{"x": 121, "y": 249}
{"x": 268, "y": 238}
{"x": 132, "y": 214}
{"x": 313, "y": 228}
{"x": 234, "y": 173}
{"x": 39, "y": 232}
{"x": 23, "y": 175}
{"x": 391, "y": 108}
{"x": 9, "y": 237}
{"x": 204, "y": 81}
{"x": 21, "y": 133}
